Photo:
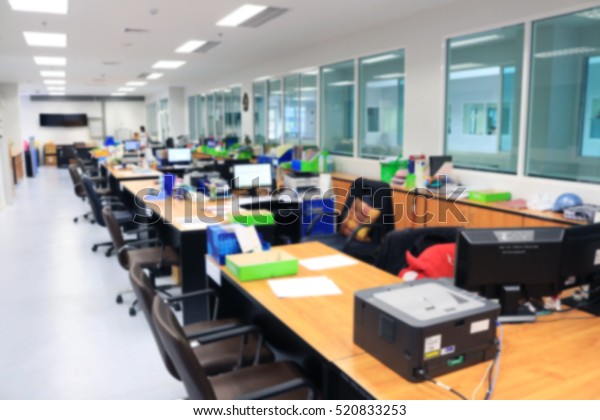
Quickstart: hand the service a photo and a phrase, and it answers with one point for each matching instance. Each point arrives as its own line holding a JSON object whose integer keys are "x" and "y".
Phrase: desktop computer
{"x": 253, "y": 176}
{"x": 180, "y": 157}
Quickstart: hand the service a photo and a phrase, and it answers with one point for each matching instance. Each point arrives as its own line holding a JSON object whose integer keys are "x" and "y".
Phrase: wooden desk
{"x": 554, "y": 358}
{"x": 118, "y": 175}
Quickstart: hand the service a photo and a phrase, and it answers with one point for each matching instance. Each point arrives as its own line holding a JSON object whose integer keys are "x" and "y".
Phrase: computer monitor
{"x": 132, "y": 145}
{"x": 251, "y": 176}
{"x": 581, "y": 265}
{"x": 179, "y": 156}
{"x": 436, "y": 163}
{"x": 510, "y": 265}
{"x": 225, "y": 167}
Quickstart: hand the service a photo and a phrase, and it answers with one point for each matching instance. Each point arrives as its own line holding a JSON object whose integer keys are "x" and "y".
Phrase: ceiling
{"x": 102, "y": 57}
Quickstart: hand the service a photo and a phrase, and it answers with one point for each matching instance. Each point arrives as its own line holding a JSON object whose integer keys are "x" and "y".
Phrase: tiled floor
{"x": 62, "y": 336}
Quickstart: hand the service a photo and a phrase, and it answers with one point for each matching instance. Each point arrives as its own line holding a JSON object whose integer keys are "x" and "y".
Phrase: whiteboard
{"x": 96, "y": 128}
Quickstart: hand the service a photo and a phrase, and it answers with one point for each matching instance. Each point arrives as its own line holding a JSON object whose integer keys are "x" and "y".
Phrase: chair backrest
{"x": 145, "y": 293}
{"x": 179, "y": 350}
{"x": 377, "y": 195}
{"x": 392, "y": 255}
{"x": 94, "y": 200}
{"x": 114, "y": 229}
{"x": 75, "y": 176}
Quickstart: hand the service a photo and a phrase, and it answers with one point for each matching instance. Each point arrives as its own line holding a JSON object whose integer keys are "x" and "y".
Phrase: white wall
{"x": 423, "y": 36}
{"x": 116, "y": 114}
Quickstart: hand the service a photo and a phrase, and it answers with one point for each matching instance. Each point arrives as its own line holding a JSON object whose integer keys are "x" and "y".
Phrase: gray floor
{"x": 62, "y": 335}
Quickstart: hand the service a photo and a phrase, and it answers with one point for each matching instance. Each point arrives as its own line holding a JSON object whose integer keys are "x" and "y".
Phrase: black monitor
{"x": 225, "y": 167}
{"x": 581, "y": 265}
{"x": 511, "y": 265}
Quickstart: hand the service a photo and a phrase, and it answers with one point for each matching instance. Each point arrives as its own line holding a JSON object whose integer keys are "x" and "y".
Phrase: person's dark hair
{"x": 142, "y": 129}
{"x": 170, "y": 143}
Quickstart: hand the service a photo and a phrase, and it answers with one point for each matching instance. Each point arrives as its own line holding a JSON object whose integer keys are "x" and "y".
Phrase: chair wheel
{"x": 177, "y": 306}
{"x": 75, "y": 220}
{"x": 93, "y": 222}
{"x": 119, "y": 299}
{"x": 132, "y": 312}
{"x": 94, "y": 248}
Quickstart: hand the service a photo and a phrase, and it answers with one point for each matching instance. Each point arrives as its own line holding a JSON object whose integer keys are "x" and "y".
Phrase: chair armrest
{"x": 211, "y": 331}
{"x": 236, "y": 332}
{"x": 315, "y": 219}
{"x": 280, "y": 389}
{"x": 134, "y": 244}
{"x": 352, "y": 236}
{"x": 197, "y": 293}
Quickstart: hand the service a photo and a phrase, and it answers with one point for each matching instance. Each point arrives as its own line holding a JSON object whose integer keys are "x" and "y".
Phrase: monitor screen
{"x": 253, "y": 176}
{"x": 132, "y": 145}
{"x": 179, "y": 155}
{"x": 63, "y": 120}
{"x": 502, "y": 262}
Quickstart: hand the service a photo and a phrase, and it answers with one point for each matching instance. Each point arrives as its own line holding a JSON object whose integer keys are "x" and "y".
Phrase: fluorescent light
{"x": 241, "y": 15}
{"x": 154, "y": 76}
{"x": 190, "y": 47}
{"x": 56, "y": 88}
{"x": 389, "y": 76}
{"x": 136, "y": 83}
{"x": 168, "y": 64}
{"x": 342, "y": 83}
{"x": 475, "y": 41}
{"x": 590, "y": 14}
{"x": 56, "y": 94}
{"x": 566, "y": 51}
{"x": 118, "y": 94}
{"x": 126, "y": 89}
{"x": 45, "y": 39}
{"x": 262, "y": 79}
{"x": 52, "y": 73}
{"x": 471, "y": 74}
{"x": 50, "y": 61}
{"x": 54, "y": 82}
{"x": 386, "y": 57}
{"x": 465, "y": 66}
{"x": 60, "y": 7}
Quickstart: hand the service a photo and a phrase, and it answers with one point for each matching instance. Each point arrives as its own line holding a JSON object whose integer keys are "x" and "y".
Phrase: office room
{"x": 300, "y": 200}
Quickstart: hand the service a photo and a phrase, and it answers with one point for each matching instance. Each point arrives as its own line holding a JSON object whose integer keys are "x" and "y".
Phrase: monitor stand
{"x": 513, "y": 312}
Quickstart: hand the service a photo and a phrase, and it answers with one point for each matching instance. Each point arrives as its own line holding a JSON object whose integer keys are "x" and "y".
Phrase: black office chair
{"x": 392, "y": 255}
{"x": 216, "y": 358}
{"x": 276, "y": 380}
{"x": 375, "y": 194}
{"x": 97, "y": 203}
{"x": 79, "y": 191}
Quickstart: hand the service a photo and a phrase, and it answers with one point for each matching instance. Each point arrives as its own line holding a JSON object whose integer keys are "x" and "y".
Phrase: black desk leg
{"x": 193, "y": 275}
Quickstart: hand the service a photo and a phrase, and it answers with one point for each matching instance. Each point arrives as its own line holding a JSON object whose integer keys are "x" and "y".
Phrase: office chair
{"x": 216, "y": 358}
{"x": 79, "y": 191}
{"x": 146, "y": 253}
{"x": 360, "y": 239}
{"x": 275, "y": 380}
{"x": 97, "y": 203}
{"x": 392, "y": 256}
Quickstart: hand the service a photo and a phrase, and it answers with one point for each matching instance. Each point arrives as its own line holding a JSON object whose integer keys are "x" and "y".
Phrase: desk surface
{"x": 554, "y": 358}
{"x": 124, "y": 174}
{"x": 184, "y": 215}
{"x": 325, "y": 322}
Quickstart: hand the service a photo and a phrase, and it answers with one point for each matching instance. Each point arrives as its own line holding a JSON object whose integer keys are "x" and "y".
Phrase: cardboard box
{"x": 50, "y": 149}
{"x": 262, "y": 265}
{"x": 50, "y": 160}
{"x": 489, "y": 196}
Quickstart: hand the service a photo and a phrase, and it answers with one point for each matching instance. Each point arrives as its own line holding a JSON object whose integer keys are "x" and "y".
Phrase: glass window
{"x": 337, "y": 108}
{"x": 219, "y": 119}
{"x": 259, "y": 92}
{"x": 308, "y": 107}
{"x": 564, "y": 112}
{"x": 192, "y": 116}
{"x": 200, "y": 108}
{"x": 483, "y": 99}
{"x": 151, "y": 117}
{"x": 227, "y": 109}
{"x": 210, "y": 115}
{"x": 236, "y": 111}
{"x": 275, "y": 122}
{"x": 290, "y": 109}
{"x": 381, "y": 117}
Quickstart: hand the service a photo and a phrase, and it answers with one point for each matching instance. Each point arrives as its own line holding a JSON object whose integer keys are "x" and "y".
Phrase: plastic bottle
{"x": 330, "y": 167}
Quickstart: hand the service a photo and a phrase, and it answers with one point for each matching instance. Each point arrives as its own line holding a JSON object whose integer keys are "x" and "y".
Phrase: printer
{"x": 300, "y": 182}
{"x": 425, "y": 326}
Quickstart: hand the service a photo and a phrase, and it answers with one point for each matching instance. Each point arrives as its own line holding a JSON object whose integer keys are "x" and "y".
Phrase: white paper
{"x": 212, "y": 270}
{"x": 247, "y": 238}
{"x": 326, "y": 263}
{"x": 304, "y": 287}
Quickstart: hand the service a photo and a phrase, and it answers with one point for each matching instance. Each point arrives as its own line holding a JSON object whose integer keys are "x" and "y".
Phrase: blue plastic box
{"x": 221, "y": 241}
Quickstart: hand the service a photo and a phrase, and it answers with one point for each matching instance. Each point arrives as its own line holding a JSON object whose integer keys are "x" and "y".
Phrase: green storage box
{"x": 389, "y": 168}
{"x": 253, "y": 218}
{"x": 262, "y": 265}
{"x": 489, "y": 196}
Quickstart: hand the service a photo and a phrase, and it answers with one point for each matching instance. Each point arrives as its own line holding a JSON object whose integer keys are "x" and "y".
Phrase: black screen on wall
{"x": 63, "y": 120}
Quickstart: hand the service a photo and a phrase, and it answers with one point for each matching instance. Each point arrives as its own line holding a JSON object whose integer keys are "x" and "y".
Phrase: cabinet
{"x": 534, "y": 222}
{"x": 442, "y": 213}
{"x": 480, "y": 217}
{"x": 341, "y": 189}
{"x": 409, "y": 210}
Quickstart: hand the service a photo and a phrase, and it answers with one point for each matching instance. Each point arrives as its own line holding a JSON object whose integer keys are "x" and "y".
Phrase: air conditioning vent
{"x": 143, "y": 75}
{"x": 263, "y": 17}
{"x": 136, "y": 31}
{"x": 207, "y": 47}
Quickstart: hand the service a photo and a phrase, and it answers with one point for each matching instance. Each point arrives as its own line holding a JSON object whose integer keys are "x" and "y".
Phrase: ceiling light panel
{"x": 60, "y": 7}
{"x": 154, "y": 76}
{"x": 57, "y": 94}
{"x": 164, "y": 64}
{"x": 45, "y": 39}
{"x": 136, "y": 83}
{"x": 54, "y": 82}
{"x": 190, "y": 47}
{"x": 240, "y": 15}
{"x": 56, "y": 88}
{"x": 126, "y": 89}
{"x": 50, "y": 61}
{"x": 53, "y": 73}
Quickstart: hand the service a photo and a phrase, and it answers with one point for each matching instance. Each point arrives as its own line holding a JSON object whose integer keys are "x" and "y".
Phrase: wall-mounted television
{"x": 63, "y": 120}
